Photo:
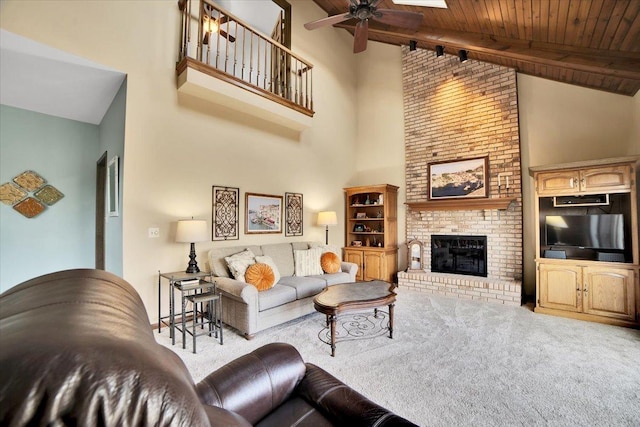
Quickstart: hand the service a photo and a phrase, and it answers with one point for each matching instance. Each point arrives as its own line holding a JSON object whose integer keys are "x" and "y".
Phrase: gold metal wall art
{"x": 29, "y": 194}
{"x": 10, "y": 193}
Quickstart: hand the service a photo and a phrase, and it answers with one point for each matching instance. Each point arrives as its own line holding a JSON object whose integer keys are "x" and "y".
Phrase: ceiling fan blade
{"x": 361, "y": 36}
{"x": 331, "y": 20}
{"x": 399, "y": 18}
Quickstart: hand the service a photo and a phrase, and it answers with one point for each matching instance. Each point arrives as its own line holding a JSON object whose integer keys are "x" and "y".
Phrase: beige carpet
{"x": 460, "y": 362}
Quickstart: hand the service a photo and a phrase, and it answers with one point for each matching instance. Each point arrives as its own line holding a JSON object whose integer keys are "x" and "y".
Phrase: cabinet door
{"x": 355, "y": 256}
{"x": 560, "y": 287}
{"x": 374, "y": 266}
{"x": 558, "y": 183}
{"x": 606, "y": 178}
{"x": 609, "y": 292}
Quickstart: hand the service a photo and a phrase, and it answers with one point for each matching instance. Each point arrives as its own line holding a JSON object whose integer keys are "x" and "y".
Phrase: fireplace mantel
{"x": 501, "y": 203}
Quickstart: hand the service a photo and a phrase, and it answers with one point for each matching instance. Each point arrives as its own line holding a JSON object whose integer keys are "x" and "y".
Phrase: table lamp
{"x": 327, "y": 218}
{"x": 192, "y": 231}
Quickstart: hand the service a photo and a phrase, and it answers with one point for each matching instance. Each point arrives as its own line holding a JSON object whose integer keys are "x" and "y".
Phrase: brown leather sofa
{"x": 76, "y": 348}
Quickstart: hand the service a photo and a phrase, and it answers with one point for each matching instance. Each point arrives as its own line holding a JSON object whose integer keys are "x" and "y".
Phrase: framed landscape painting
{"x": 263, "y": 214}
{"x": 459, "y": 179}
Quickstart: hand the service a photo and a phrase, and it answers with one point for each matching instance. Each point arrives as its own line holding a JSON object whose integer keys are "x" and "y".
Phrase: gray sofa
{"x": 250, "y": 311}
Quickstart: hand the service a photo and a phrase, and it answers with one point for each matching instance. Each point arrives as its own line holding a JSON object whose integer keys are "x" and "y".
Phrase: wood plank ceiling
{"x": 590, "y": 43}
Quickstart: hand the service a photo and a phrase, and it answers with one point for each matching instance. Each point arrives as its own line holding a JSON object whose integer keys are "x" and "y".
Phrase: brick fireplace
{"x": 459, "y": 111}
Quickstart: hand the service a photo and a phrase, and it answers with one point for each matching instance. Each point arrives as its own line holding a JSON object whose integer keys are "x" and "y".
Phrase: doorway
{"x": 101, "y": 181}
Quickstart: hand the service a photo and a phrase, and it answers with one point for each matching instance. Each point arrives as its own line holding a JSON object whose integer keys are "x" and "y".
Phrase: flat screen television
{"x": 604, "y": 231}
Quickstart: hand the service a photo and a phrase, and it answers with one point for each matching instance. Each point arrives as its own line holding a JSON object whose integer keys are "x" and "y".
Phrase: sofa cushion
{"x": 276, "y": 296}
{"x": 260, "y": 275}
{"x": 307, "y": 262}
{"x": 330, "y": 262}
{"x": 269, "y": 261}
{"x": 238, "y": 263}
{"x": 335, "y": 278}
{"x": 305, "y": 286}
{"x": 282, "y": 255}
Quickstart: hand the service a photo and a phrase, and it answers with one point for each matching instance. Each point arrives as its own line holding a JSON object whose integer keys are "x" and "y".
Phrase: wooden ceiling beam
{"x": 625, "y": 65}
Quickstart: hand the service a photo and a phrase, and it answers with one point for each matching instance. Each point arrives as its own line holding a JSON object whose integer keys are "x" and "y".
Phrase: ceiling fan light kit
{"x": 363, "y": 11}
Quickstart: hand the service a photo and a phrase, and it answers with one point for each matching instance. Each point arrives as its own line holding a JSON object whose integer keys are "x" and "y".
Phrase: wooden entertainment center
{"x": 598, "y": 281}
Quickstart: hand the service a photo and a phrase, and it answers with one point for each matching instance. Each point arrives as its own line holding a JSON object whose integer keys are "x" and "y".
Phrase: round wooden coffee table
{"x": 352, "y": 297}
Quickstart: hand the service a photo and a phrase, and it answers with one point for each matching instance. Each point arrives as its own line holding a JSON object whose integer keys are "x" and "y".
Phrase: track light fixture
{"x": 462, "y": 54}
{"x": 439, "y": 50}
{"x": 413, "y": 45}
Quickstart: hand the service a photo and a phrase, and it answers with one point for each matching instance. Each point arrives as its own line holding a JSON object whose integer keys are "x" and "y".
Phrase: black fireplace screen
{"x": 459, "y": 254}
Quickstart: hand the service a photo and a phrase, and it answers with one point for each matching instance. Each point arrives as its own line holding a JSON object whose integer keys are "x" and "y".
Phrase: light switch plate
{"x": 154, "y": 232}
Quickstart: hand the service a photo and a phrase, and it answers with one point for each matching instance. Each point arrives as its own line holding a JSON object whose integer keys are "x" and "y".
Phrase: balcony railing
{"x": 225, "y": 47}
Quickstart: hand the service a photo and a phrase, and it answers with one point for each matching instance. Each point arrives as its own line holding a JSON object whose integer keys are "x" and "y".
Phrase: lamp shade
{"x": 327, "y": 218}
{"x": 191, "y": 231}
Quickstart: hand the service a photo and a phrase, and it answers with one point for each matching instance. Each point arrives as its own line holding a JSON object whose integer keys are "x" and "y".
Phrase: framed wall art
{"x": 459, "y": 179}
{"x": 293, "y": 214}
{"x": 263, "y": 213}
{"x": 225, "y": 213}
{"x": 113, "y": 187}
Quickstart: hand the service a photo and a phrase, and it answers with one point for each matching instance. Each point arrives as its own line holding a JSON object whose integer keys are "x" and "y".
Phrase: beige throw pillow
{"x": 238, "y": 263}
{"x": 307, "y": 262}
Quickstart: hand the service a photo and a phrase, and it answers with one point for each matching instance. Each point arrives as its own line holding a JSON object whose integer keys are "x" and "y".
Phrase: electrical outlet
{"x": 154, "y": 232}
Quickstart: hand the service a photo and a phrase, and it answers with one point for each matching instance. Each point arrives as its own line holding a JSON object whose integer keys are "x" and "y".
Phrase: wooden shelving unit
{"x": 371, "y": 238}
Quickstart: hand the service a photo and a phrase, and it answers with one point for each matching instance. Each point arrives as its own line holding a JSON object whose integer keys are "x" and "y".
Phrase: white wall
{"x": 380, "y": 157}
{"x": 561, "y": 123}
{"x": 177, "y": 149}
{"x": 62, "y": 152}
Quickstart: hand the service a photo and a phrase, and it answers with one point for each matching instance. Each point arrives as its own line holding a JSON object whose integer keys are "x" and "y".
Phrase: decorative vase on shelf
{"x": 367, "y": 202}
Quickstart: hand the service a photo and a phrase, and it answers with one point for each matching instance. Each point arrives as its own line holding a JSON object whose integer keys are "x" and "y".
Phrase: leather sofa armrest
{"x": 255, "y": 384}
{"x": 341, "y": 404}
{"x": 223, "y": 418}
{"x": 241, "y": 290}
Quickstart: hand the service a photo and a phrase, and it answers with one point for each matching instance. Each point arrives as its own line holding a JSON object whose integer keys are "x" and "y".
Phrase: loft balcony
{"x": 225, "y": 61}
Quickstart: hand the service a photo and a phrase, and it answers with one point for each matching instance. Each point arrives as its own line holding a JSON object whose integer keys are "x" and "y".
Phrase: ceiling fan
{"x": 363, "y": 10}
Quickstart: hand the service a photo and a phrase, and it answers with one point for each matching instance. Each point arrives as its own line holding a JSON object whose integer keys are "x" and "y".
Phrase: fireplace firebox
{"x": 459, "y": 254}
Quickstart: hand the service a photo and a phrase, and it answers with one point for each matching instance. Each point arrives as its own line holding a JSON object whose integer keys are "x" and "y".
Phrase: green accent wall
{"x": 64, "y": 153}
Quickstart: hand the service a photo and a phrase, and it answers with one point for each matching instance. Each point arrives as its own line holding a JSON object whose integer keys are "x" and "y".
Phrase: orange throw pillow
{"x": 330, "y": 262}
{"x": 260, "y": 275}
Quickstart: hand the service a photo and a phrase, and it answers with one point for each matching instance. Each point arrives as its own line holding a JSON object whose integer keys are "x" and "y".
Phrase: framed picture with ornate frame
{"x": 459, "y": 179}
{"x": 263, "y": 213}
{"x": 225, "y": 213}
{"x": 293, "y": 224}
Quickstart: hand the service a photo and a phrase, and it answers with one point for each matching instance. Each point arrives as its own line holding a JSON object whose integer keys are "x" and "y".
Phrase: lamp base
{"x": 193, "y": 264}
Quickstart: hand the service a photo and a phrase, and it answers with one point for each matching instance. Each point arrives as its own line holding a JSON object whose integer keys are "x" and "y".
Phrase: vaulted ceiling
{"x": 590, "y": 43}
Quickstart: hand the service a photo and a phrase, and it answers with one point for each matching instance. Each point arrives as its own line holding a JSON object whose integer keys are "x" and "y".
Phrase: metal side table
{"x": 193, "y": 282}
